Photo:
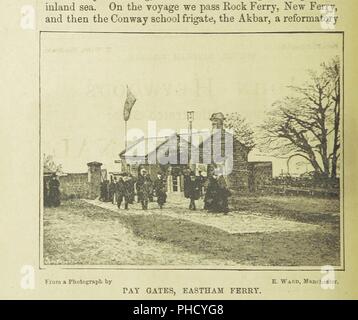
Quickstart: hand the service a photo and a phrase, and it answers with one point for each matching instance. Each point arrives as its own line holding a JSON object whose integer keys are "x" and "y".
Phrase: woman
{"x": 54, "y": 191}
{"x": 160, "y": 190}
{"x": 193, "y": 190}
{"x": 211, "y": 195}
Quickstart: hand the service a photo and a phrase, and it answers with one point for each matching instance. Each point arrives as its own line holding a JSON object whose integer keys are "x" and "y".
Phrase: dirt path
{"x": 96, "y": 233}
{"x": 80, "y": 236}
{"x": 233, "y": 223}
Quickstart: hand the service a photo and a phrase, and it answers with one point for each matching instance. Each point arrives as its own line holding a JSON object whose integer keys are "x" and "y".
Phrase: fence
{"x": 302, "y": 187}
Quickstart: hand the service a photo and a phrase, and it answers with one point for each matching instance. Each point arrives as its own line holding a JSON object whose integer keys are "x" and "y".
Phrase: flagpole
{"x": 125, "y": 134}
{"x": 125, "y": 126}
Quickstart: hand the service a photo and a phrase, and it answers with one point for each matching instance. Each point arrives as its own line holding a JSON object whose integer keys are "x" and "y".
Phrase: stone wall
{"x": 80, "y": 185}
{"x": 74, "y": 185}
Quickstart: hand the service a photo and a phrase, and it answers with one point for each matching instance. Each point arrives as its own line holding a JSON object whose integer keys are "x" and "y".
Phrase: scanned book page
{"x": 159, "y": 149}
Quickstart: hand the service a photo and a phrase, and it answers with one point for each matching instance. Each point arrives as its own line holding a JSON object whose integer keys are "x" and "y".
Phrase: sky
{"x": 84, "y": 79}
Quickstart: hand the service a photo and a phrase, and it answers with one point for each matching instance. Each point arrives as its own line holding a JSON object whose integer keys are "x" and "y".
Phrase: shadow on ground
{"x": 180, "y": 241}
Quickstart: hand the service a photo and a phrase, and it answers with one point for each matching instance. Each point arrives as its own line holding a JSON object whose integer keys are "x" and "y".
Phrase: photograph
{"x": 191, "y": 151}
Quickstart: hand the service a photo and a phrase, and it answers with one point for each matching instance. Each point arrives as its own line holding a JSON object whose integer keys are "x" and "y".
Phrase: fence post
{"x": 94, "y": 179}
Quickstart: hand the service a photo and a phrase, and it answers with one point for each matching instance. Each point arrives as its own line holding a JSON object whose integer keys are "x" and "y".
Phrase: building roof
{"x": 153, "y": 143}
{"x": 149, "y": 145}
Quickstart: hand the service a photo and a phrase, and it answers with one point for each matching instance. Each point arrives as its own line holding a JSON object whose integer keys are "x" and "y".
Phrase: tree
{"x": 241, "y": 129}
{"x": 308, "y": 122}
{"x": 50, "y": 165}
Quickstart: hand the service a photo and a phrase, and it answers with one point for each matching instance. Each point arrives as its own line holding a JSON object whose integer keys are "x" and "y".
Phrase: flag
{"x": 128, "y": 105}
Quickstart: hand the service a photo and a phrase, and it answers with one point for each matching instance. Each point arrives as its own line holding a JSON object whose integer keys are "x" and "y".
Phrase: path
{"x": 234, "y": 222}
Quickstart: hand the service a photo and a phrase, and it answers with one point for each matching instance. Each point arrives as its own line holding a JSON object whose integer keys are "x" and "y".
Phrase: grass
{"x": 303, "y": 209}
{"x": 200, "y": 244}
{"x": 306, "y": 248}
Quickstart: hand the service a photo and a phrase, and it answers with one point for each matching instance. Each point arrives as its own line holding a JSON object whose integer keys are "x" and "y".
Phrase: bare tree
{"x": 308, "y": 122}
{"x": 241, "y": 129}
{"x": 333, "y": 72}
{"x": 50, "y": 165}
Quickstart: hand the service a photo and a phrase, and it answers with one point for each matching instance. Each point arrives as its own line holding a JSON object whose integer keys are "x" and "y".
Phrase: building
{"x": 207, "y": 151}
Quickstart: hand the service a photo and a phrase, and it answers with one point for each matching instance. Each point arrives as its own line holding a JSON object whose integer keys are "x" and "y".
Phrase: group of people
{"x": 51, "y": 194}
{"x": 118, "y": 191}
{"x": 123, "y": 190}
{"x": 213, "y": 190}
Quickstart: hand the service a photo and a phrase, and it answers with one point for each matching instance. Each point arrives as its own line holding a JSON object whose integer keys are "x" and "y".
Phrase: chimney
{"x": 217, "y": 120}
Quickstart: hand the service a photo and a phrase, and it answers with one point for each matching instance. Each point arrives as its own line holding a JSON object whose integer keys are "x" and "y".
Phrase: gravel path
{"x": 72, "y": 237}
{"x": 234, "y": 222}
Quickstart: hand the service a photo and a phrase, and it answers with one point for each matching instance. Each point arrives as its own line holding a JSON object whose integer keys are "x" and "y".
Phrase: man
{"x": 131, "y": 188}
{"x": 193, "y": 190}
{"x": 160, "y": 190}
{"x": 202, "y": 181}
{"x": 144, "y": 188}
{"x": 186, "y": 173}
{"x": 138, "y": 184}
{"x": 111, "y": 190}
{"x": 121, "y": 193}
{"x": 115, "y": 191}
{"x": 127, "y": 191}
{"x": 54, "y": 191}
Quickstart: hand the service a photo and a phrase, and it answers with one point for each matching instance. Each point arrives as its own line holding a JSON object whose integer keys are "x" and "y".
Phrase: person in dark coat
{"x": 115, "y": 190}
{"x": 160, "y": 190}
{"x": 223, "y": 194}
{"x": 111, "y": 189}
{"x": 104, "y": 191}
{"x": 122, "y": 193}
{"x": 144, "y": 189}
{"x": 131, "y": 188}
{"x": 138, "y": 184}
{"x": 102, "y": 196}
{"x": 186, "y": 174}
{"x": 192, "y": 190}
{"x": 54, "y": 192}
{"x": 202, "y": 181}
{"x": 45, "y": 193}
{"x": 217, "y": 194}
{"x": 128, "y": 190}
{"x": 211, "y": 195}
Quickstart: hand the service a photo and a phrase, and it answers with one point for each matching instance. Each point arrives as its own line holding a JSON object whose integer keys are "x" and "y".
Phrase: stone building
{"x": 175, "y": 154}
